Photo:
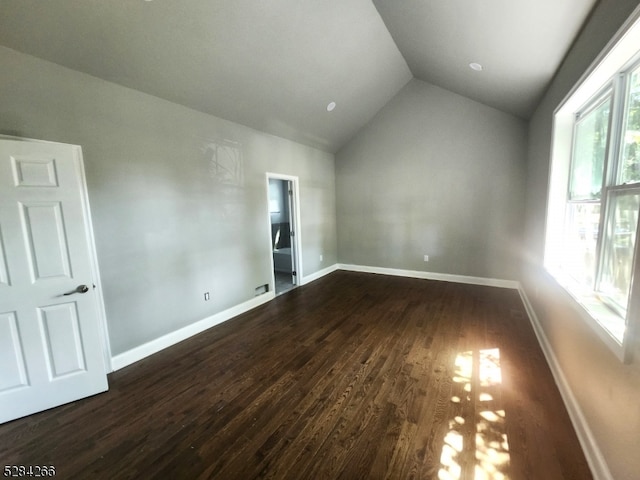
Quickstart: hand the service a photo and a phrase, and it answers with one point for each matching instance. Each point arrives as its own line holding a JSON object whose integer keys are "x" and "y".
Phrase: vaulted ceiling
{"x": 275, "y": 65}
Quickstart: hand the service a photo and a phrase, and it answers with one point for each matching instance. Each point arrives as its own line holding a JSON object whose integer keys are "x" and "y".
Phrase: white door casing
{"x": 51, "y": 344}
{"x": 294, "y": 222}
{"x": 293, "y": 207}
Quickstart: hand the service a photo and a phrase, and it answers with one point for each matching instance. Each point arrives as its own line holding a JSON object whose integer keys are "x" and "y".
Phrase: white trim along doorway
{"x": 283, "y": 200}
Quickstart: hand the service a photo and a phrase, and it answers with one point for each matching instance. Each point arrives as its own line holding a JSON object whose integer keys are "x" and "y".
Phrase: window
{"x": 585, "y": 191}
{"x": 594, "y": 191}
{"x": 602, "y": 204}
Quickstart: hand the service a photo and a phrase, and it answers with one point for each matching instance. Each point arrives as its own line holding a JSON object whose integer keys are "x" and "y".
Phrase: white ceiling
{"x": 274, "y": 65}
{"x": 519, "y": 43}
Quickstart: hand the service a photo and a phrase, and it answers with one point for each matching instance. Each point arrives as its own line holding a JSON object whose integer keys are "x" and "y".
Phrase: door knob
{"x": 79, "y": 289}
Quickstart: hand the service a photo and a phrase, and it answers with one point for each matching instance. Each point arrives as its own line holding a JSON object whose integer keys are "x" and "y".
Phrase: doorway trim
{"x": 91, "y": 243}
{"x": 296, "y": 238}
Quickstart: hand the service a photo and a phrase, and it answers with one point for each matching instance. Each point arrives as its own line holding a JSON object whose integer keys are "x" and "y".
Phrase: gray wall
{"x": 172, "y": 219}
{"x": 606, "y": 390}
{"x": 433, "y": 173}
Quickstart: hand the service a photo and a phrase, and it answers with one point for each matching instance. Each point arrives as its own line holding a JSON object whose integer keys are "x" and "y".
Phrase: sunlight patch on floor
{"x": 476, "y": 446}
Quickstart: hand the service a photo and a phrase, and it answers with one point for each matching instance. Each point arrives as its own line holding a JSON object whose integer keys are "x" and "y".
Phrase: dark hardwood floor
{"x": 355, "y": 376}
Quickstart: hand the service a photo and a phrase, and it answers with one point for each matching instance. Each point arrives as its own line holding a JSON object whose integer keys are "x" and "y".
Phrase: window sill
{"x": 607, "y": 324}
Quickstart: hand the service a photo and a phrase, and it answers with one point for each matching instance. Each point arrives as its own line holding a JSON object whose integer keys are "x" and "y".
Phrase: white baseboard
{"x": 595, "y": 459}
{"x": 319, "y": 274}
{"x": 138, "y": 353}
{"x": 445, "y": 277}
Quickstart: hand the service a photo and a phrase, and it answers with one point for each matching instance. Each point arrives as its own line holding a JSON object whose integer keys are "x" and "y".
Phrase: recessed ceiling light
{"x": 475, "y": 66}
{"x": 331, "y": 106}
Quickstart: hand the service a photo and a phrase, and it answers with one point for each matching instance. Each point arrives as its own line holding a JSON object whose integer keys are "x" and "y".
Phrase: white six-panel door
{"x": 51, "y": 342}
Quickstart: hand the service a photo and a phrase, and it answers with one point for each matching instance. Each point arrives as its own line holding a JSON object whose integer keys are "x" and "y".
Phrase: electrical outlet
{"x": 206, "y": 296}
{"x": 321, "y": 257}
{"x": 426, "y": 258}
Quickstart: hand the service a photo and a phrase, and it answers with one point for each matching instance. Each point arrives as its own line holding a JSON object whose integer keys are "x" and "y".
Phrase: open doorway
{"x": 283, "y": 216}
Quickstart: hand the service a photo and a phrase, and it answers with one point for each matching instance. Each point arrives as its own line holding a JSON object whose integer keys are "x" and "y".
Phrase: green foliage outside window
{"x": 631, "y": 143}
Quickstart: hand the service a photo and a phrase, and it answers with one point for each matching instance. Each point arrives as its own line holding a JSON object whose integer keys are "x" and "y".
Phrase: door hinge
{"x": 294, "y": 273}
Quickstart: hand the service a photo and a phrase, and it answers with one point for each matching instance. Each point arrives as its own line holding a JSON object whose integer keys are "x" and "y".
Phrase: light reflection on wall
{"x": 223, "y": 171}
{"x": 225, "y": 161}
{"x": 476, "y": 445}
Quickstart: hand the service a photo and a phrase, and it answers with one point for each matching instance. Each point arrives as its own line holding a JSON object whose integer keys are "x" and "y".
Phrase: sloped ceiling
{"x": 275, "y": 65}
{"x": 520, "y": 45}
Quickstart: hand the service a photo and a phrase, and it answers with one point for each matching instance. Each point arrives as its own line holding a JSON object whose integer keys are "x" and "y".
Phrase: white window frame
{"x": 608, "y": 73}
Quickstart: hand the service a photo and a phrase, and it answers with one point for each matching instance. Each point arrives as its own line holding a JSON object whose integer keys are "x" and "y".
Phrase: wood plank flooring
{"x": 355, "y": 376}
